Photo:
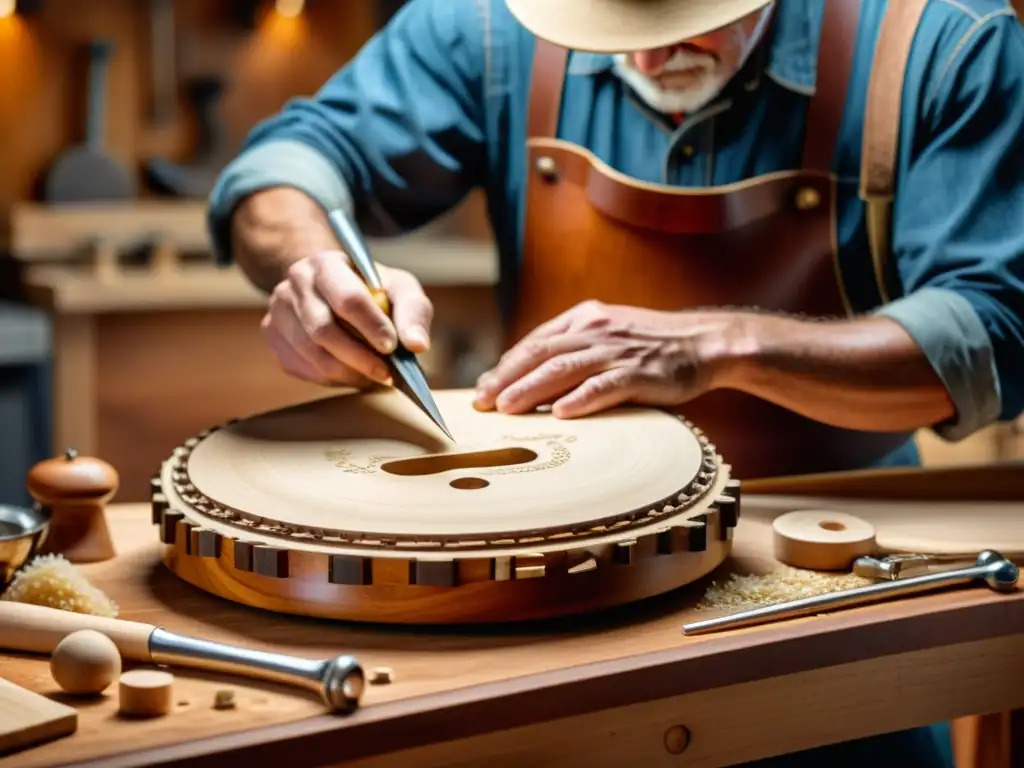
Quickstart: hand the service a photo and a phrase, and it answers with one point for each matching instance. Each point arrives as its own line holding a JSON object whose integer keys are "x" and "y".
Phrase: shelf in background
{"x": 52, "y": 241}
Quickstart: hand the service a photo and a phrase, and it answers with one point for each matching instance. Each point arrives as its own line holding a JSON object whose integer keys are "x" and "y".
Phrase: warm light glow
{"x": 7, "y": 8}
{"x": 287, "y": 8}
{"x": 25, "y": 109}
{"x": 280, "y": 34}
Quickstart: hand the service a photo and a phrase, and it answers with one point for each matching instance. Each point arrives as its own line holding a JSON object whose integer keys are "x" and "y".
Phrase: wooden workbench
{"x": 611, "y": 690}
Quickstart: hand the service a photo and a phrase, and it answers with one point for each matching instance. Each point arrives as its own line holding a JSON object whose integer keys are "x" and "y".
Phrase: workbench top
{"x": 450, "y": 683}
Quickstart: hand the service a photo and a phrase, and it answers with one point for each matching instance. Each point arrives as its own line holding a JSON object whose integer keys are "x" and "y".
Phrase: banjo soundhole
{"x": 354, "y": 507}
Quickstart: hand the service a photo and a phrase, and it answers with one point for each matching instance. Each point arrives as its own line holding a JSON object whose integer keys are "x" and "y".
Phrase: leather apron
{"x": 768, "y": 242}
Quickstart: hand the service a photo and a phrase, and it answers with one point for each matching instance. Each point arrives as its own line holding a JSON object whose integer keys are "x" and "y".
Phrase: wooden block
{"x": 28, "y": 718}
{"x": 204, "y": 542}
{"x": 435, "y": 573}
{"x": 270, "y": 561}
{"x": 242, "y": 552}
{"x": 699, "y": 535}
{"x": 350, "y": 570}
{"x": 159, "y": 506}
{"x": 529, "y": 566}
{"x": 169, "y": 526}
{"x": 624, "y": 552}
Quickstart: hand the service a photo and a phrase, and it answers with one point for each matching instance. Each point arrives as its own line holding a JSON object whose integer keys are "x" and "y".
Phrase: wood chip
{"x": 224, "y": 699}
{"x": 381, "y": 676}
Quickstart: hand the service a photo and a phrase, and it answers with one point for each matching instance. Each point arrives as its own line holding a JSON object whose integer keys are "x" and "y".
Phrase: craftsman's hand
{"x": 302, "y": 323}
{"x": 596, "y": 356}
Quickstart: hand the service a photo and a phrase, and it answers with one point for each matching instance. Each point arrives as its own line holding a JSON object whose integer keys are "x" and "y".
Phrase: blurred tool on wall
{"x": 86, "y": 172}
{"x": 196, "y": 177}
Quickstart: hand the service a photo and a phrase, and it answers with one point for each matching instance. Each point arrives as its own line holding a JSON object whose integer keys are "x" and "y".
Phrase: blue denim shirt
{"x": 435, "y": 105}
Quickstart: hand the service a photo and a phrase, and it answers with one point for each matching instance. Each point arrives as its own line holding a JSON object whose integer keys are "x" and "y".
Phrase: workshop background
{"x": 118, "y": 335}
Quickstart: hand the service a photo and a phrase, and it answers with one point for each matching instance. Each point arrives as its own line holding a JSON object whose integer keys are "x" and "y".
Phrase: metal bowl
{"x": 22, "y": 533}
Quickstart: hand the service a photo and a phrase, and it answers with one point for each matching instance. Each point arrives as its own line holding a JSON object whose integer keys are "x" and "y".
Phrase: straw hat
{"x": 619, "y": 26}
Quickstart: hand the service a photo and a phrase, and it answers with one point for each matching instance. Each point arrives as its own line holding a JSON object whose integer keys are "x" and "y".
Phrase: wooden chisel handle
{"x": 380, "y": 298}
{"x": 38, "y": 629}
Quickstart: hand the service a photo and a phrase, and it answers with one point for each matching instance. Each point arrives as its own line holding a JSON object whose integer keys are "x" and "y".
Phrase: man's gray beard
{"x": 710, "y": 83}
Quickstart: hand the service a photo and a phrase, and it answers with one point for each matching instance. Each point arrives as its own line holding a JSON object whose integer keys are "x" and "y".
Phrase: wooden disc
{"x": 821, "y": 540}
{"x": 373, "y": 467}
{"x": 357, "y": 507}
{"x": 145, "y": 693}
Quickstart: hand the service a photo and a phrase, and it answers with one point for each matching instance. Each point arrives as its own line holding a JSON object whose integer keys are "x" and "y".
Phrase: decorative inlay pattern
{"x": 691, "y": 495}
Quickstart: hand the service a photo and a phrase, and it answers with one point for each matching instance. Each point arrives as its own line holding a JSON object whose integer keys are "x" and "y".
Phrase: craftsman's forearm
{"x": 866, "y": 373}
{"x": 273, "y": 229}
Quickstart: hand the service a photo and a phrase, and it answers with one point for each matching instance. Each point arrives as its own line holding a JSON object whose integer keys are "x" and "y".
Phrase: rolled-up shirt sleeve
{"x": 958, "y": 235}
{"x": 395, "y": 137}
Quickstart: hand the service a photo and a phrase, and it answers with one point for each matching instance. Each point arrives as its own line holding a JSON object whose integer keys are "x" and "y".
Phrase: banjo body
{"x": 355, "y": 507}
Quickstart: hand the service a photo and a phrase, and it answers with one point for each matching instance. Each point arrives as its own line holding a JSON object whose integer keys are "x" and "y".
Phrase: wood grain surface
{"x": 453, "y": 683}
{"x": 28, "y": 718}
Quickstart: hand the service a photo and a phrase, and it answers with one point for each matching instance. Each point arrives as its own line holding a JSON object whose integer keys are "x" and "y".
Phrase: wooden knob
{"x": 75, "y": 489}
{"x": 72, "y": 479}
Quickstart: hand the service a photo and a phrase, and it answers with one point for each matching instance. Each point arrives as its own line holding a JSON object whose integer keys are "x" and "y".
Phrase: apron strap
{"x": 835, "y": 62}
{"x": 546, "y": 81}
{"x": 882, "y": 128}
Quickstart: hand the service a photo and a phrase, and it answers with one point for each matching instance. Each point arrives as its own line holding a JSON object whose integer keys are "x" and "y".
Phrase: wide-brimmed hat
{"x": 619, "y": 26}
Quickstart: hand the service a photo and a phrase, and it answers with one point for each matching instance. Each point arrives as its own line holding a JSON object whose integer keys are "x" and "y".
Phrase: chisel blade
{"x": 411, "y": 381}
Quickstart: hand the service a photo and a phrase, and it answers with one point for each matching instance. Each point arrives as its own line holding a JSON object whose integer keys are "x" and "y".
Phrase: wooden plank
{"x": 740, "y": 723}
{"x": 40, "y": 232}
{"x": 78, "y": 289}
{"x": 28, "y": 718}
{"x": 65, "y": 234}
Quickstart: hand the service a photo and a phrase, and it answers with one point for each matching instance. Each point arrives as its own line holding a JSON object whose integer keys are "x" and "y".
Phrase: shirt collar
{"x": 792, "y": 58}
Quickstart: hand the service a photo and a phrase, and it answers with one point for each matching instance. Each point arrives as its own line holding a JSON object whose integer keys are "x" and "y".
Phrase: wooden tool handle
{"x": 380, "y": 298}
{"x": 37, "y": 629}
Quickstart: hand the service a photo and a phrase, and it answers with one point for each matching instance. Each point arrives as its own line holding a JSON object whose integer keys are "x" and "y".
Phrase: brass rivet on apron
{"x": 547, "y": 168}
{"x": 688, "y": 150}
{"x": 807, "y": 198}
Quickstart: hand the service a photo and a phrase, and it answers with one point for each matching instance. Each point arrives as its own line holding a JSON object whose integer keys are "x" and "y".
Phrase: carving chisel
{"x": 405, "y": 369}
{"x": 990, "y": 568}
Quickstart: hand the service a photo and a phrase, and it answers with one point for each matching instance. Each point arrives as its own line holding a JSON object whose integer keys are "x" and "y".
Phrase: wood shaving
{"x": 52, "y": 581}
{"x": 782, "y": 584}
{"x": 381, "y": 676}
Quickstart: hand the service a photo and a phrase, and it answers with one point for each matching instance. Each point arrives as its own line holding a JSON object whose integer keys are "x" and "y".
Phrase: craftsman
{"x": 623, "y": 282}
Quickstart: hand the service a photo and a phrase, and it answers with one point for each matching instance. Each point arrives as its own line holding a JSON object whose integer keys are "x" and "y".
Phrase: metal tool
{"x": 899, "y": 566}
{"x": 23, "y": 530}
{"x": 894, "y": 567}
{"x": 990, "y": 567}
{"x": 339, "y": 681}
{"x": 405, "y": 369}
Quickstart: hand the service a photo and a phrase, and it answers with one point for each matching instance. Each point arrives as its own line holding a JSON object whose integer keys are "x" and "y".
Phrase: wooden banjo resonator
{"x": 355, "y": 507}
